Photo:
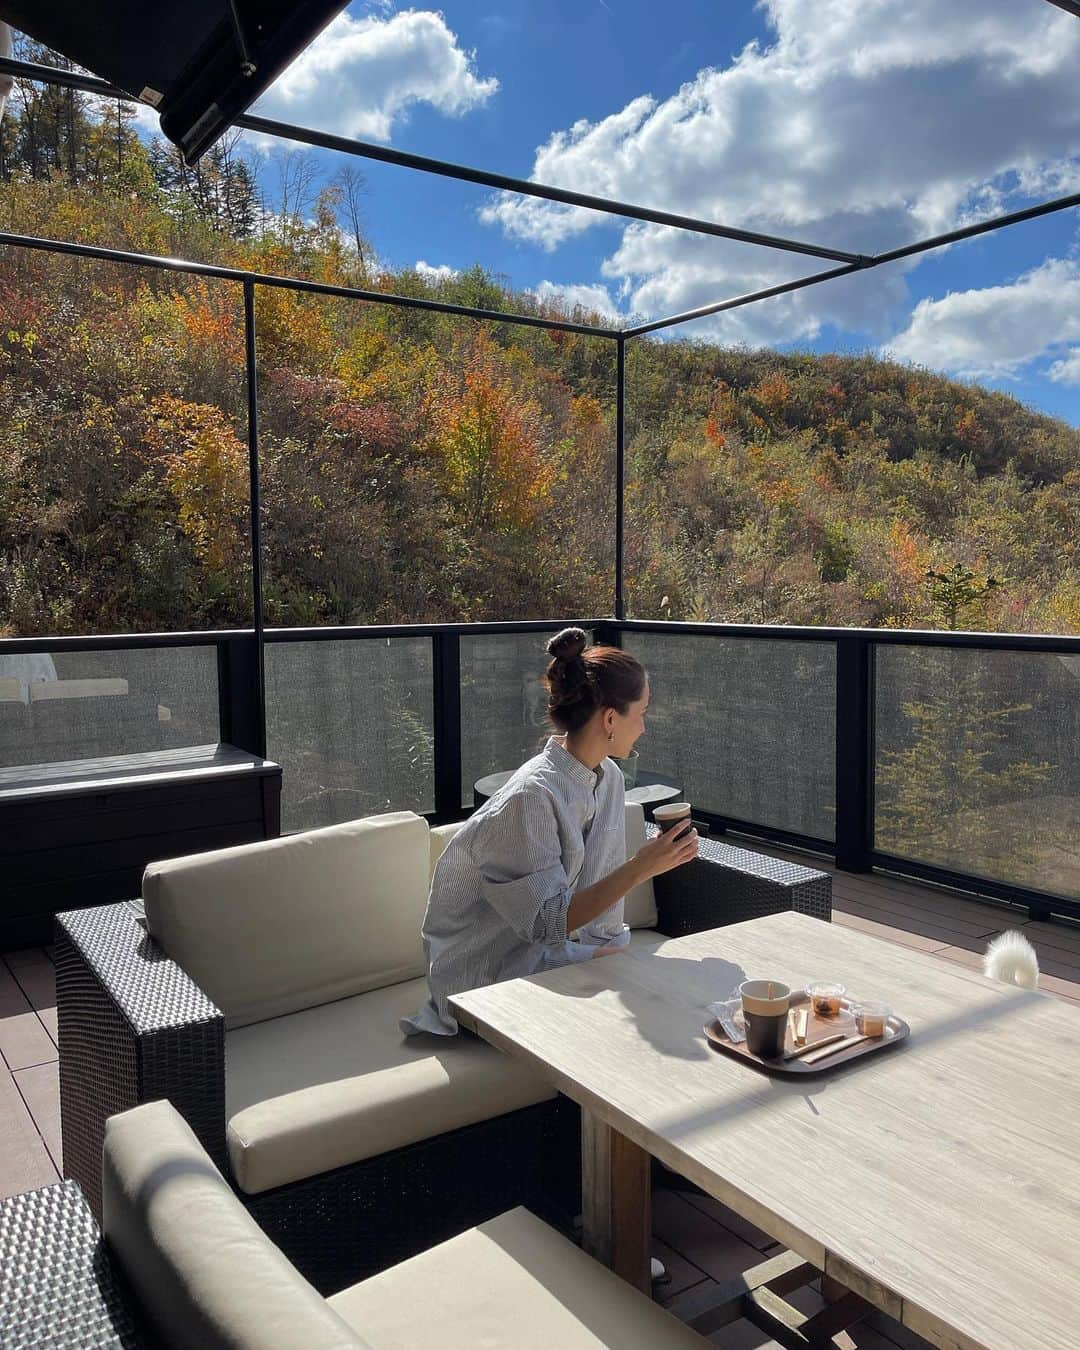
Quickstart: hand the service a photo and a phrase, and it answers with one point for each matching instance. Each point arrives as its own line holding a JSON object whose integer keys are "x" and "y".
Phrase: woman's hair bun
{"x": 567, "y": 645}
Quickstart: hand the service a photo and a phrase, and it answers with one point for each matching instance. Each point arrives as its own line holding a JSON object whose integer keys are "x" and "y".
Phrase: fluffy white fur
{"x": 1011, "y": 957}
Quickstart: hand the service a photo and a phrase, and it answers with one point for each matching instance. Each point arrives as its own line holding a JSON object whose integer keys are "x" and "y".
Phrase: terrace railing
{"x": 953, "y": 757}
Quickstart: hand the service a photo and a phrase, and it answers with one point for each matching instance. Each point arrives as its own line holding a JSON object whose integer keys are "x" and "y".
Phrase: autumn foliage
{"x": 416, "y": 466}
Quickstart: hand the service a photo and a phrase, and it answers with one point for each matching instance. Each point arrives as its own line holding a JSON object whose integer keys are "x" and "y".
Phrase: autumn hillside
{"x": 416, "y": 466}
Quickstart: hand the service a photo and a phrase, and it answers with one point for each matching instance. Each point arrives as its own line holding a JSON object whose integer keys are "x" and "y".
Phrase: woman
{"x": 536, "y": 878}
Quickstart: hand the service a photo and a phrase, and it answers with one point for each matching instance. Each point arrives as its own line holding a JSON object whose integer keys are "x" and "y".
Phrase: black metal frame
{"x": 240, "y": 652}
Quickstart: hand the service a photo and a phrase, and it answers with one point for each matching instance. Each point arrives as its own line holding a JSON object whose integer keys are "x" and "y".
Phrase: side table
{"x": 651, "y": 789}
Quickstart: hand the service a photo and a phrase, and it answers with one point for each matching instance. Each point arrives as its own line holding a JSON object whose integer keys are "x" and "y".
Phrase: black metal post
{"x": 620, "y": 470}
{"x": 238, "y": 692}
{"x": 854, "y": 750}
{"x": 446, "y": 655}
{"x": 259, "y": 689}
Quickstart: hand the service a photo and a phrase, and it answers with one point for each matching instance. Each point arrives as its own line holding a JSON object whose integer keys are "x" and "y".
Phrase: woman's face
{"x": 629, "y": 726}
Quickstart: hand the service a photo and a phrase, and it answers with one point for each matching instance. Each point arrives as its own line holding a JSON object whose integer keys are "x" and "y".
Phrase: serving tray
{"x": 817, "y": 1029}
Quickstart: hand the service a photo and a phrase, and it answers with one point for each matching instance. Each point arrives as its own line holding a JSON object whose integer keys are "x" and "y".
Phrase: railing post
{"x": 446, "y": 655}
{"x": 620, "y": 470}
{"x": 607, "y": 634}
{"x": 239, "y": 693}
{"x": 259, "y": 682}
{"x": 854, "y": 750}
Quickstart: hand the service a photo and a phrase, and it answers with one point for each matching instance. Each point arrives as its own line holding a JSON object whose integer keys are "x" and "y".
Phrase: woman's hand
{"x": 667, "y": 851}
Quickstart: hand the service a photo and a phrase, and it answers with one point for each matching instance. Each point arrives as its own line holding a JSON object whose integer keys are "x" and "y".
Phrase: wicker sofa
{"x": 262, "y": 998}
{"x": 184, "y": 1267}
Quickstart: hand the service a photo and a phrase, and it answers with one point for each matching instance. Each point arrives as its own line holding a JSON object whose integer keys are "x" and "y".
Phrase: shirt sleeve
{"x": 522, "y": 878}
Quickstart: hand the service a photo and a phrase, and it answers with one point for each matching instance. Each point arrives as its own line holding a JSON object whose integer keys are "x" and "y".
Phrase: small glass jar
{"x": 871, "y": 1019}
{"x": 827, "y": 998}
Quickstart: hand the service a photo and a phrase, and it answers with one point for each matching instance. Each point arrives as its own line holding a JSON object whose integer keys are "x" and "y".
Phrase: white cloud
{"x": 1067, "y": 370}
{"x": 862, "y": 126}
{"x": 592, "y": 299}
{"x": 430, "y": 272}
{"x": 996, "y": 330}
{"x": 360, "y": 76}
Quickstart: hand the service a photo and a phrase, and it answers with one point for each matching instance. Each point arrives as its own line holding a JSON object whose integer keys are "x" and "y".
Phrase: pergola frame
{"x": 240, "y": 661}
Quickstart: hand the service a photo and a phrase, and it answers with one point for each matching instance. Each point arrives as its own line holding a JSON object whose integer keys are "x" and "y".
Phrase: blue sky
{"x": 863, "y": 125}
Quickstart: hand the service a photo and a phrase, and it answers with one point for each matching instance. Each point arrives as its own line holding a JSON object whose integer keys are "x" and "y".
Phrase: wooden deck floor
{"x": 698, "y": 1239}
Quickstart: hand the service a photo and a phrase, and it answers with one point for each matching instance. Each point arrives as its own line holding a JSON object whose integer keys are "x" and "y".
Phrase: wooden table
{"x": 939, "y": 1180}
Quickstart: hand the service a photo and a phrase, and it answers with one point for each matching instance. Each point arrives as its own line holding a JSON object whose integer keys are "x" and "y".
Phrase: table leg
{"x": 616, "y": 1201}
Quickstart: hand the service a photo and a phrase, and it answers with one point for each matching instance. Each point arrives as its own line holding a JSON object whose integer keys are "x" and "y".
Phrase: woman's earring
{"x": 611, "y": 735}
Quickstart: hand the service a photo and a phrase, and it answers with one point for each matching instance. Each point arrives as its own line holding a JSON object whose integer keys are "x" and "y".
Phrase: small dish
{"x": 827, "y": 997}
{"x": 871, "y": 1018}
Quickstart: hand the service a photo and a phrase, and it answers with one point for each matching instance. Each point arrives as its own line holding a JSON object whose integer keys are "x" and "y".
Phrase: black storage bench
{"x": 80, "y": 832}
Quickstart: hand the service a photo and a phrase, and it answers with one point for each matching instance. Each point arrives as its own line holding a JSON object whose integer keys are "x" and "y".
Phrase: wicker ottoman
{"x": 57, "y": 1286}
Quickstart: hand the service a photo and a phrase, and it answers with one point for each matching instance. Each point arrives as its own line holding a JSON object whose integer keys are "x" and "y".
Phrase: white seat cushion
{"x": 202, "y": 1269}
{"x": 647, "y": 937}
{"x": 440, "y": 837}
{"x": 512, "y": 1282}
{"x": 335, "y": 1084}
{"x": 268, "y": 928}
{"x": 639, "y": 909}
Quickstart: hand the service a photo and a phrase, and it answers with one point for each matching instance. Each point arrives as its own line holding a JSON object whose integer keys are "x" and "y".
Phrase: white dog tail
{"x": 1011, "y": 958}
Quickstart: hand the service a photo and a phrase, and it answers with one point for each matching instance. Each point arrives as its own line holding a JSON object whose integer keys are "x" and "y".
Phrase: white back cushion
{"x": 201, "y": 1268}
{"x": 640, "y": 908}
{"x": 440, "y": 837}
{"x": 269, "y": 928}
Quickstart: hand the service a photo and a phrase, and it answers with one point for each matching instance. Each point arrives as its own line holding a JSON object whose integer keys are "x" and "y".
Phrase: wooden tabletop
{"x": 940, "y": 1179}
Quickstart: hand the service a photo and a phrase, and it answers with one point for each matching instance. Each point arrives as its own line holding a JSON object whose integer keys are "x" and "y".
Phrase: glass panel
{"x": 503, "y": 703}
{"x": 123, "y": 450}
{"x": 418, "y": 467}
{"x": 978, "y": 762}
{"x": 747, "y": 725}
{"x": 81, "y": 705}
{"x": 351, "y": 723}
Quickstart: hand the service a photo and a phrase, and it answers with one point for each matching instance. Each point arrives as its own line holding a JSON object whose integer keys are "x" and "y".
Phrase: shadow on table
{"x": 674, "y": 1032}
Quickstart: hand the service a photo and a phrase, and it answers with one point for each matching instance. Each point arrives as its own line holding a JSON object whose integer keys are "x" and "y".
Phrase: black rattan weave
{"x": 135, "y": 1028}
{"x": 132, "y": 1028}
{"x": 729, "y": 885}
{"x": 57, "y": 1286}
{"x": 342, "y": 1226}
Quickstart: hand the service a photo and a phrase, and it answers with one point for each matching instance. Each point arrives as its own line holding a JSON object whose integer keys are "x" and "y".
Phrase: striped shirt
{"x": 500, "y": 892}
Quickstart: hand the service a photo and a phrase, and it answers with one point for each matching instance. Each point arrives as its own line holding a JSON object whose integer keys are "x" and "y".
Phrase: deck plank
{"x": 942, "y": 915}
{"x": 880, "y": 930}
{"x": 703, "y": 1242}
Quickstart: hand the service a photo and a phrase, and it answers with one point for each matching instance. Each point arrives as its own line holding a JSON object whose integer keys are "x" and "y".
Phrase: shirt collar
{"x": 571, "y": 765}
